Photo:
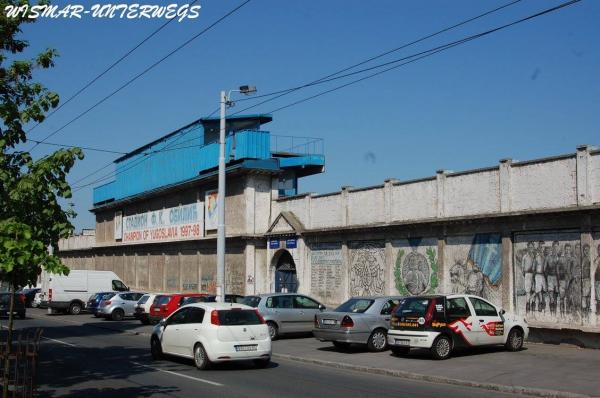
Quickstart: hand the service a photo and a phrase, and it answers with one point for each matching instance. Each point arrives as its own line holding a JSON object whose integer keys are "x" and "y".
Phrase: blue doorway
{"x": 286, "y": 280}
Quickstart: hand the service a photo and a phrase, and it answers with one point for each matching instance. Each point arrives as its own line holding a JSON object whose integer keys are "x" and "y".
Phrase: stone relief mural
{"x": 553, "y": 277}
{"x": 326, "y": 271}
{"x": 367, "y": 268}
{"x": 416, "y": 267}
{"x": 595, "y": 272}
{"x": 475, "y": 265}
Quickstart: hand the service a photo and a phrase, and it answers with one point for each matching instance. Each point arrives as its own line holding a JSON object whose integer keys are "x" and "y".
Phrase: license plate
{"x": 402, "y": 342}
{"x": 252, "y": 347}
{"x": 329, "y": 321}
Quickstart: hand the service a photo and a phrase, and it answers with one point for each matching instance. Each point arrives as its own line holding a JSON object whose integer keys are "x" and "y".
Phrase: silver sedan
{"x": 360, "y": 320}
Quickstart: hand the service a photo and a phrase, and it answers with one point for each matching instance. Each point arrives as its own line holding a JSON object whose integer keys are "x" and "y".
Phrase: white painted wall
{"x": 595, "y": 177}
{"x": 366, "y": 207}
{"x": 473, "y": 193}
{"x": 326, "y": 211}
{"x": 414, "y": 201}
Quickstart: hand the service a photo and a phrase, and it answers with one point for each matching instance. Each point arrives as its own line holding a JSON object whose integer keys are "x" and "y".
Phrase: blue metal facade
{"x": 184, "y": 155}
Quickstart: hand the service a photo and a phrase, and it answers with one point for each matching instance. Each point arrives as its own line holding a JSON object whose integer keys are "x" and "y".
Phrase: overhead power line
{"x": 87, "y": 148}
{"x": 425, "y": 54}
{"x": 149, "y": 68}
{"x": 115, "y": 63}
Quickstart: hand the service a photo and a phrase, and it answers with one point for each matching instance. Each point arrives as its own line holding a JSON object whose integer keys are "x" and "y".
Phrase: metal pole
{"x": 221, "y": 206}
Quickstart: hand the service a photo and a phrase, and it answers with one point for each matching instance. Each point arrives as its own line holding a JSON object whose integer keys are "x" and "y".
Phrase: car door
{"x": 305, "y": 310}
{"x": 130, "y": 303}
{"x": 461, "y": 321}
{"x": 190, "y": 329}
{"x": 171, "y": 335}
{"x": 488, "y": 323}
{"x": 386, "y": 310}
{"x": 281, "y": 309}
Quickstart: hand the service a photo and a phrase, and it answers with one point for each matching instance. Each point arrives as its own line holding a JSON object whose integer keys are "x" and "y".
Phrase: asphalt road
{"x": 82, "y": 360}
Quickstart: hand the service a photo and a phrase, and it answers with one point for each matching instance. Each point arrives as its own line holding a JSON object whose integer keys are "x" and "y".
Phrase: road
{"x": 79, "y": 359}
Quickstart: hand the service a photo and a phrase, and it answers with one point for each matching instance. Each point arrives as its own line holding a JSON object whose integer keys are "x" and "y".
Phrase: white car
{"x": 141, "y": 310}
{"x": 443, "y": 322}
{"x": 37, "y": 300}
{"x": 213, "y": 332}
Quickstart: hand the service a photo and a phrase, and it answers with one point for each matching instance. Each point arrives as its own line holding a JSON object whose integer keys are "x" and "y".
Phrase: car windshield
{"x": 161, "y": 300}
{"x": 356, "y": 305}
{"x": 251, "y": 301}
{"x": 413, "y": 306}
{"x": 104, "y": 296}
{"x": 144, "y": 298}
{"x": 238, "y": 317}
{"x": 195, "y": 299}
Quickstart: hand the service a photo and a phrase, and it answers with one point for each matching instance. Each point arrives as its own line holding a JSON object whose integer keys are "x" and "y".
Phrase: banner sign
{"x": 273, "y": 243}
{"x": 212, "y": 217}
{"x": 118, "y": 225}
{"x": 174, "y": 223}
{"x": 291, "y": 243}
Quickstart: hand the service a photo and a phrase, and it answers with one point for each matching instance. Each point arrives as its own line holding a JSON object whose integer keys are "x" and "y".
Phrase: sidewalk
{"x": 538, "y": 370}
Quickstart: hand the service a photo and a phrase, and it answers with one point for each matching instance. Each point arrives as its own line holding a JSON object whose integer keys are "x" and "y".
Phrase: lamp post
{"x": 226, "y": 102}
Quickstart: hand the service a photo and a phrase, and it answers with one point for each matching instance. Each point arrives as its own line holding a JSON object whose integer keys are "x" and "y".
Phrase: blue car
{"x": 94, "y": 301}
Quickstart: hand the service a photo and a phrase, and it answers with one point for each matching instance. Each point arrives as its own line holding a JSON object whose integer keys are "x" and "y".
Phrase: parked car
{"x": 442, "y": 323}
{"x": 37, "y": 300}
{"x": 286, "y": 312}
{"x": 213, "y": 332}
{"x": 18, "y": 306}
{"x": 360, "y": 320}
{"x": 229, "y": 298}
{"x": 119, "y": 306}
{"x": 29, "y": 294}
{"x": 164, "y": 305}
{"x": 69, "y": 293}
{"x": 142, "y": 308}
{"x": 94, "y": 301}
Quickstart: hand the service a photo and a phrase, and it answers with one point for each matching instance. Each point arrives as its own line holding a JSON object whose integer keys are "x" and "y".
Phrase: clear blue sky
{"x": 527, "y": 92}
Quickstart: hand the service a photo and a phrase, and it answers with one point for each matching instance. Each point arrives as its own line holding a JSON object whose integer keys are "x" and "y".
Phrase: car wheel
{"x": 341, "y": 345}
{"x": 273, "y": 330}
{"x": 514, "y": 342}
{"x": 155, "y": 348}
{"x": 34, "y": 305}
{"x": 377, "y": 341}
{"x": 400, "y": 351}
{"x": 75, "y": 309}
{"x": 262, "y": 363}
{"x": 200, "y": 358}
{"x": 117, "y": 315}
{"x": 441, "y": 348}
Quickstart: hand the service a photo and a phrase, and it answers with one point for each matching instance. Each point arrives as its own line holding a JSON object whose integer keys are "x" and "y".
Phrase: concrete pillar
{"x": 249, "y": 195}
{"x": 346, "y": 266}
{"x": 441, "y": 248}
{"x": 584, "y": 177}
{"x": 307, "y": 203}
{"x": 390, "y": 262}
{"x": 508, "y": 287}
{"x": 387, "y": 199}
{"x": 250, "y": 274}
{"x": 587, "y": 239}
{"x": 345, "y": 207}
{"x": 440, "y": 196}
{"x": 505, "y": 184}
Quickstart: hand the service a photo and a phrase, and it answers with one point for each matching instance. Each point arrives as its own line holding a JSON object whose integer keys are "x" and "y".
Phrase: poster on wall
{"x": 553, "y": 273}
{"x": 174, "y": 223}
{"x": 210, "y": 202}
{"x": 416, "y": 266}
{"x": 118, "y": 225}
{"x": 475, "y": 266}
{"x": 326, "y": 271}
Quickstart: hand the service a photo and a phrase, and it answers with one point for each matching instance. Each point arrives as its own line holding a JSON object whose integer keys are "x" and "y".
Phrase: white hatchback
{"x": 213, "y": 332}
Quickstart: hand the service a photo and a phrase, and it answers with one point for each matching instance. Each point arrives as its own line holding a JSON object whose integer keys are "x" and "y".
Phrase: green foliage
{"x": 433, "y": 282}
{"x": 31, "y": 191}
{"x": 398, "y": 275}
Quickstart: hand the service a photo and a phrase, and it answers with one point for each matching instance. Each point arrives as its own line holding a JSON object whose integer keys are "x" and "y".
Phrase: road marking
{"x": 59, "y": 341}
{"x": 179, "y": 374}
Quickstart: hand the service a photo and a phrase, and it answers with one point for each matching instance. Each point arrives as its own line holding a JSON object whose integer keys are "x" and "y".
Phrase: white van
{"x": 70, "y": 293}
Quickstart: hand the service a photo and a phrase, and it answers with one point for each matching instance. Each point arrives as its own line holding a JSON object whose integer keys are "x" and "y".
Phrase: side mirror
{"x": 163, "y": 322}
{"x": 322, "y": 307}
{"x": 502, "y": 312}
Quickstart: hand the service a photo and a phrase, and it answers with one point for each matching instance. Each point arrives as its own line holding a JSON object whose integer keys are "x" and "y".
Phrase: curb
{"x": 535, "y": 392}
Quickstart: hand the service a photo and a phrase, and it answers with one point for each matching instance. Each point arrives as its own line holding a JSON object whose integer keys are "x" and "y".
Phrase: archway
{"x": 286, "y": 280}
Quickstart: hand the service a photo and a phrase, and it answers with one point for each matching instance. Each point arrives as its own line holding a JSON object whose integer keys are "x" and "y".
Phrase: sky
{"x": 526, "y": 92}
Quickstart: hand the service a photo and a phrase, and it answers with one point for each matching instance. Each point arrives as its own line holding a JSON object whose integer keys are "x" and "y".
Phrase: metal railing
{"x": 288, "y": 144}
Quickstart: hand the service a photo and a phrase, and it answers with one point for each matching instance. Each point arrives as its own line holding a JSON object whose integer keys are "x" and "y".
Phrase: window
{"x": 483, "y": 308}
{"x": 355, "y": 305}
{"x": 161, "y": 300}
{"x": 179, "y": 317}
{"x": 252, "y": 301}
{"x": 305, "y": 303}
{"x": 238, "y": 317}
{"x": 196, "y": 315}
{"x": 124, "y": 296}
{"x": 413, "y": 307}
{"x": 144, "y": 298}
{"x": 279, "y": 302}
{"x": 119, "y": 286}
{"x": 389, "y": 306}
{"x": 457, "y": 308}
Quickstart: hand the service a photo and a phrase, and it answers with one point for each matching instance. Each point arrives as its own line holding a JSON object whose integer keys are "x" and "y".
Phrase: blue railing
{"x": 288, "y": 144}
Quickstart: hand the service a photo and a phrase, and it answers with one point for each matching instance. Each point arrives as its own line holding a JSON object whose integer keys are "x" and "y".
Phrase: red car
{"x": 165, "y": 304}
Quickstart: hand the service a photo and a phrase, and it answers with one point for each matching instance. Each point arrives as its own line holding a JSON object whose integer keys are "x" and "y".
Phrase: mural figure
{"x": 566, "y": 266}
{"x": 457, "y": 276}
{"x": 480, "y": 273}
{"x": 539, "y": 277}
{"x": 597, "y": 280}
{"x": 415, "y": 272}
{"x": 367, "y": 269}
{"x": 527, "y": 265}
{"x": 586, "y": 282}
{"x": 551, "y": 263}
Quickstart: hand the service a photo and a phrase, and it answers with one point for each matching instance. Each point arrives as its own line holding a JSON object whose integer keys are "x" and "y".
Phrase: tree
{"x": 31, "y": 191}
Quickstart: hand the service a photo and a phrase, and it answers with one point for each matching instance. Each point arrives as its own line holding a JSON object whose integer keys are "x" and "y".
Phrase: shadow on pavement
{"x": 125, "y": 392}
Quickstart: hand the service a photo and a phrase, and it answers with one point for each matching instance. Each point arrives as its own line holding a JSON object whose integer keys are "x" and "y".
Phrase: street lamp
{"x": 225, "y": 103}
